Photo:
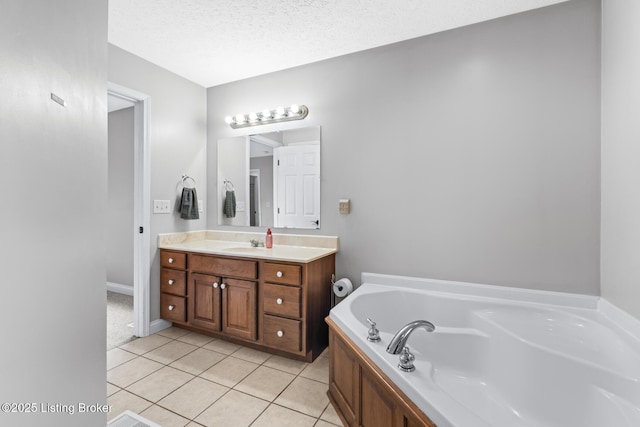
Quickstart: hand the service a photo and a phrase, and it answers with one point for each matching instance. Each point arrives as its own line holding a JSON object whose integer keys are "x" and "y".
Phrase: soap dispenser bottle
{"x": 269, "y": 240}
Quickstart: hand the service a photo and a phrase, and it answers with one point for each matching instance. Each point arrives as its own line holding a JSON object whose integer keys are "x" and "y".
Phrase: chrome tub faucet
{"x": 398, "y": 344}
{"x": 399, "y": 340}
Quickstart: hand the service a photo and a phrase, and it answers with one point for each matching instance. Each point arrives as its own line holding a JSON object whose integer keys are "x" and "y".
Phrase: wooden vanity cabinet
{"x": 282, "y": 306}
{"x": 270, "y": 305}
{"x": 224, "y": 305}
{"x": 224, "y": 296}
{"x": 361, "y": 394}
{"x": 173, "y": 286}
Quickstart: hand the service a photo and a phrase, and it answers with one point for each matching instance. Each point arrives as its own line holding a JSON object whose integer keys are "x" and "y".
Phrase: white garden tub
{"x": 502, "y": 357}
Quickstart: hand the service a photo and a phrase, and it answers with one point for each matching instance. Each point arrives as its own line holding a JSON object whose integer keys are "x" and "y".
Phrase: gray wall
{"x": 177, "y": 143}
{"x": 234, "y": 167}
{"x": 120, "y": 212}
{"x": 472, "y": 154}
{"x": 53, "y": 166}
{"x": 621, "y": 154}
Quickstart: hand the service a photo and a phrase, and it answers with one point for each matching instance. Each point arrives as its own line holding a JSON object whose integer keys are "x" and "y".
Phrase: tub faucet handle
{"x": 374, "y": 333}
{"x": 406, "y": 360}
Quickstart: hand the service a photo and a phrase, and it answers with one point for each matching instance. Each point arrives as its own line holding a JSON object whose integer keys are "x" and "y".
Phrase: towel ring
{"x": 228, "y": 185}
{"x": 186, "y": 178}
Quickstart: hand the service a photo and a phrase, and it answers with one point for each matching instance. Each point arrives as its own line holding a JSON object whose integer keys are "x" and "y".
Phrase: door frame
{"x": 141, "y": 210}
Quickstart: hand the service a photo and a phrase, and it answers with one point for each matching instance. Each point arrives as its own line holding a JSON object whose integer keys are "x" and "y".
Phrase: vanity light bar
{"x": 280, "y": 114}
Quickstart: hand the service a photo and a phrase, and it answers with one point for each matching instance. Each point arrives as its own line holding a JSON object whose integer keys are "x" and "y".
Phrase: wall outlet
{"x": 344, "y": 206}
{"x": 240, "y": 206}
{"x": 161, "y": 207}
{"x": 200, "y": 205}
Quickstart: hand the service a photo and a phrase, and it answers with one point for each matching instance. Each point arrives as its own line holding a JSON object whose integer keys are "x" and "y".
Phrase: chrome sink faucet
{"x": 399, "y": 340}
{"x": 256, "y": 243}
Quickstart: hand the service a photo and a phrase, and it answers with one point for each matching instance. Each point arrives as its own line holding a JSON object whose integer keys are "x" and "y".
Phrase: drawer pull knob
{"x": 170, "y": 260}
{"x": 279, "y": 301}
{"x": 280, "y": 333}
{"x": 279, "y": 274}
{"x": 215, "y": 284}
{"x": 223, "y": 286}
{"x": 170, "y": 282}
{"x": 171, "y": 307}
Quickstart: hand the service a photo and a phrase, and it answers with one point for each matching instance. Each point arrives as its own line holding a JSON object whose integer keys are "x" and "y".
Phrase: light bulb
{"x": 253, "y": 117}
{"x": 266, "y": 114}
{"x": 295, "y": 108}
{"x": 228, "y": 120}
{"x": 240, "y": 118}
{"x": 280, "y": 111}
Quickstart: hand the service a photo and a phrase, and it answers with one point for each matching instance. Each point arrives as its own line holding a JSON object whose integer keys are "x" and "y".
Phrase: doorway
{"x": 255, "y": 208}
{"x": 140, "y": 227}
{"x": 119, "y": 244}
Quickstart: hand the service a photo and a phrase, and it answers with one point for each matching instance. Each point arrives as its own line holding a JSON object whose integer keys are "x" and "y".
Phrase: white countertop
{"x": 286, "y": 247}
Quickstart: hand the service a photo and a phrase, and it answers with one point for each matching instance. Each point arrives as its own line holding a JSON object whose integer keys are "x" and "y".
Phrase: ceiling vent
{"x": 130, "y": 419}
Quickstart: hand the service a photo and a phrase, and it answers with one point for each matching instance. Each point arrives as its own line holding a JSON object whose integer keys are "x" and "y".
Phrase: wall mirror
{"x": 270, "y": 179}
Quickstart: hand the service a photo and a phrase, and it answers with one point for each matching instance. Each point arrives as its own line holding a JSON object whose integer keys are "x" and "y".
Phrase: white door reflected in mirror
{"x": 268, "y": 195}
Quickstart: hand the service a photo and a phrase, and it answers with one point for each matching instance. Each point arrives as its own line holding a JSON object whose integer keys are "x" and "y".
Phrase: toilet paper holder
{"x": 340, "y": 288}
{"x": 333, "y": 295}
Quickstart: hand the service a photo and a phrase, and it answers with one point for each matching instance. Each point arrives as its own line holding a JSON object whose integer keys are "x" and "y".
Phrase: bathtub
{"x": 502, "y": 357}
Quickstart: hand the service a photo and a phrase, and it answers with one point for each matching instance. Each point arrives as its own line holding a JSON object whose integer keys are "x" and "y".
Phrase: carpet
{"x": 119, "y": 317}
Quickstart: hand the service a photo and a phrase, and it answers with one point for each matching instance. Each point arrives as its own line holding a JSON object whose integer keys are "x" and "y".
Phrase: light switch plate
{"x": 200, "y": 205}
{"x": 344, "y": 206}
{"x": 161, "y": 206}
{"x": 240, "y": 206}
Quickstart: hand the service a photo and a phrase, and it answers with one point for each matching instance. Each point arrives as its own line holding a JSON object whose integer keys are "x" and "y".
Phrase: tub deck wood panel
{"x": 361, "y": 393}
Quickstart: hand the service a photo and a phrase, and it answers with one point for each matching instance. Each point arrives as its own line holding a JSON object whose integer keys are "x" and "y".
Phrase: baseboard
{"x": 158, "y": 325}
{"x": 120, "y": 288}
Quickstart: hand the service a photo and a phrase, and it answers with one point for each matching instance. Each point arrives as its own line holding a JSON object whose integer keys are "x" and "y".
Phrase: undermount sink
{"x": 278, "y": 251}
{"x": 247, "y": 249}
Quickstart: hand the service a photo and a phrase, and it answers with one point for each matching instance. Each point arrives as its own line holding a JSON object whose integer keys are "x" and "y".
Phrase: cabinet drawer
{"x": 282, "y": 333}
{"x": 224, "y": 266}
{"x": 282, "y": 273}
{"x": 173, "y": 308}
{"x": 173, "y": 259}
{"x": 282, "y": 300}
{"x": 173, "y": 281}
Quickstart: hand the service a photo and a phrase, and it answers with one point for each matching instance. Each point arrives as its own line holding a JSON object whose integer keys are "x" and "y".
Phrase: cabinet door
{"x": 206, "y": 302}
{"x": 378, "y": 408}
{"x": 239, "y": 308}
{"x": 344, "y": 378}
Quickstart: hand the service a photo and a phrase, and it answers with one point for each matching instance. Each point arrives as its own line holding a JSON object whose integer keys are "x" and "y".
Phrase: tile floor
{"x": 181, "y": 378}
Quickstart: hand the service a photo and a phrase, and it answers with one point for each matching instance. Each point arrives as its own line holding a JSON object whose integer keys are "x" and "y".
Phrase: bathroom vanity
{"x": 269, "y": 299}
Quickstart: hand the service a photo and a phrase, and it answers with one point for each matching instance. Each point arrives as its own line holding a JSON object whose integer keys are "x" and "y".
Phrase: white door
{"x": 297, "y": 186}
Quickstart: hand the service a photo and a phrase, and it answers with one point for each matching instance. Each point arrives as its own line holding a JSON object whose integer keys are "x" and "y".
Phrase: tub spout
{"x": 399, "y": 340}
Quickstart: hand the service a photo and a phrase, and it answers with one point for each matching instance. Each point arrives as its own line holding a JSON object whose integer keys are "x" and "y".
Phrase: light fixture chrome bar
{"x": 280, "y": 114}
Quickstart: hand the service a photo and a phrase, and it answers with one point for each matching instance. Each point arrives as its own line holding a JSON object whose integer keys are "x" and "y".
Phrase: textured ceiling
{"x": 212, "y": 42}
